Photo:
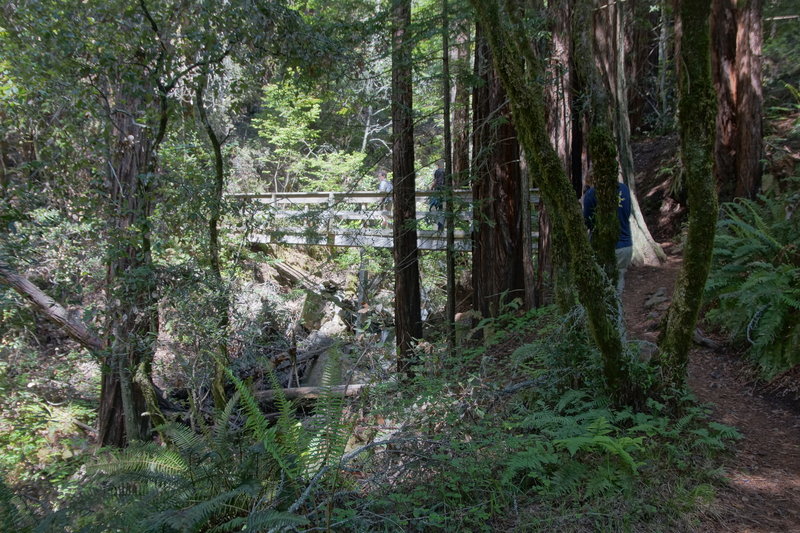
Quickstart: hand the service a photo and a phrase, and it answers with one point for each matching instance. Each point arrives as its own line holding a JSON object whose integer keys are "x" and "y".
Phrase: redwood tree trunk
{"x": 736, "y": 58}
{"x": 723, "y": 61}
{"x": 450, "y": 310}
{"x": 500, "y": 202}
{"x": 408, "y": 320}
{"x": 749, "y": 98}
{"x": 459, "y": 63}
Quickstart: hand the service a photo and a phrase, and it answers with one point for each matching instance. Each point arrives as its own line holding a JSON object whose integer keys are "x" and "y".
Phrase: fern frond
{"x": 261, "y": 430}
{"x": 328, "y": 428}
{"x": 191, "y": 518}
{"x": 11, "y": 515}
{"x": 146, "y": 458}
{"x": 221, "y": 428}
{"x": 571, "y": 397}
{"x": 187, "y": 442}
{"x": 532, "y": 462}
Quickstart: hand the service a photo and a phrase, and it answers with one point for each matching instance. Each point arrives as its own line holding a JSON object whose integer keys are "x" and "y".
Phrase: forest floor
{"x": 762, "y": 490}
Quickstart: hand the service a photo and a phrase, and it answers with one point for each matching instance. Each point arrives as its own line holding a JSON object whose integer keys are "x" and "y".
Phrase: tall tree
{"x": 450, "y": 311}
{"x": 521, "y": 74}
{"x": 460, "y": 93}
{"x": 408, "y": 318}
{"x": 697, "y": 109}
{"x": 565, "y": 126}
{"x": 501, "y": 245}
{"x": 736, "y": 59}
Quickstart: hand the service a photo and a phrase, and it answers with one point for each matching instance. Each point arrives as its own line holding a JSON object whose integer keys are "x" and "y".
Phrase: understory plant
{"x": 518, "y": 436}
{"x": 754, "y": 286}
{"x": 242, "y": 472}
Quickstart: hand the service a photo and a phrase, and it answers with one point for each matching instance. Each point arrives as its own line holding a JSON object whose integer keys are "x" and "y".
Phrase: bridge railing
{"x": 329, "y": 218}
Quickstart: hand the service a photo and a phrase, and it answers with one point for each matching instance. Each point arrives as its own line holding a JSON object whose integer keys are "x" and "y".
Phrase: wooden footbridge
{"x": 353, "y": 219}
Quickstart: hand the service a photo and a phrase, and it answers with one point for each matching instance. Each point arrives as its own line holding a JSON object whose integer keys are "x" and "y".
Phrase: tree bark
{"x": 697, "y": 120}
{"x": 450, "y": 311}
{"x": 749, "y": 99}
{"x": 723, "y": 61}
{"x": 313, "y": 392}
{"x": 132, "y": 314}
{"x": 500, "y": 203}
{"x": 460, "y": 61}
{"x": 601, "y": 145}
{"x": 408, "y": 319}
{"x": 565, "y": 130}
{"x": 736, "y": 58}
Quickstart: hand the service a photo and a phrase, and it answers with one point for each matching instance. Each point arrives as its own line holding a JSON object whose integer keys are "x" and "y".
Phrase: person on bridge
{"x": 385, "y": 187}
{"x": 624, "y": 248}
{"x": 436, "y": 201}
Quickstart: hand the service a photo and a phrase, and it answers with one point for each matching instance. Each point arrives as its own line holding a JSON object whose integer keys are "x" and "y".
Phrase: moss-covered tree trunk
{"x": 601, "y": 146}
{"x": 521, "y": 73}
{"x": 609, "y": 29}
{"x": 697, "y": 117}
{"x": 221, "y": 301}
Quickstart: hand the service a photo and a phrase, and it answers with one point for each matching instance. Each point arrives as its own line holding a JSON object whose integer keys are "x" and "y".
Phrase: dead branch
{"x": 51, "y": 309}
{"x": 313, "y": 392}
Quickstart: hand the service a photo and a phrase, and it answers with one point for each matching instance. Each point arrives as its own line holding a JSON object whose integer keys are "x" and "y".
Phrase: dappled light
{"x": 357, "y": 266}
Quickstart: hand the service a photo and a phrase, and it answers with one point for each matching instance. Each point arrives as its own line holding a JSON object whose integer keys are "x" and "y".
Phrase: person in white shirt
{"x": 385, "y": 186}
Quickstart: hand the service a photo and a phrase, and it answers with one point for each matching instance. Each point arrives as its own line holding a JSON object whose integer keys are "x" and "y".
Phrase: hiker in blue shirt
{"x": 624, "y": 248}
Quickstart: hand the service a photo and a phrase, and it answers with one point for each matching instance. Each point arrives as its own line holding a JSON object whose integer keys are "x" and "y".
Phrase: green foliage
{"x": 12, "y": 515}
{"x": 755, "y": 282}
{"x": 296, "y": 158}
{"x": 545, "y": 454}
{"x": 242, "y": 472}
{"x": 39, "y": 447}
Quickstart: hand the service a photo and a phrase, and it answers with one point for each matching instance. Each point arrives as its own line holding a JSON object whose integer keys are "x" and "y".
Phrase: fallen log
{"x": 312, "y": 392}
{"x": 51, "y": 309}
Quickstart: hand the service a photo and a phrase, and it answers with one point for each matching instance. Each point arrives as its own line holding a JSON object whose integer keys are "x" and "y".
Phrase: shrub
{"x": 755, "y": 281}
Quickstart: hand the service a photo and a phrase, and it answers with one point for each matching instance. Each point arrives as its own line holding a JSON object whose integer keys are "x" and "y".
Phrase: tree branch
{"x": 51, "y": 309}
{"x": 313, "y": 392}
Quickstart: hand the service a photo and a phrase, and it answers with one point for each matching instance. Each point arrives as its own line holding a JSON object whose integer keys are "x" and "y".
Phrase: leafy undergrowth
{"x": 41, "y": 443}
{"x": 509, "y": 435}
{"x": 754, "y": 286}
{"x": 515, "y": 437}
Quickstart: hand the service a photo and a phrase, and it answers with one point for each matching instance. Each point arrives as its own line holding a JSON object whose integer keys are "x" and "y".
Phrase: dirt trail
{"x": 763, "y": 490}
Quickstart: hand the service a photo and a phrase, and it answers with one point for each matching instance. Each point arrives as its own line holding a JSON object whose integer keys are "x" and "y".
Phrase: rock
{"x": 702, "y": 340}
{"x": 647, "y": 350}
{"x": 313, "y": 311}
{"x": 333, "y": 327}
{"x": 658, "y": 297}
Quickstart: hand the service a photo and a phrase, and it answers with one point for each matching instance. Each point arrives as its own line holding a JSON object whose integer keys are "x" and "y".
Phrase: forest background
{"x": 152, "y": 351}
